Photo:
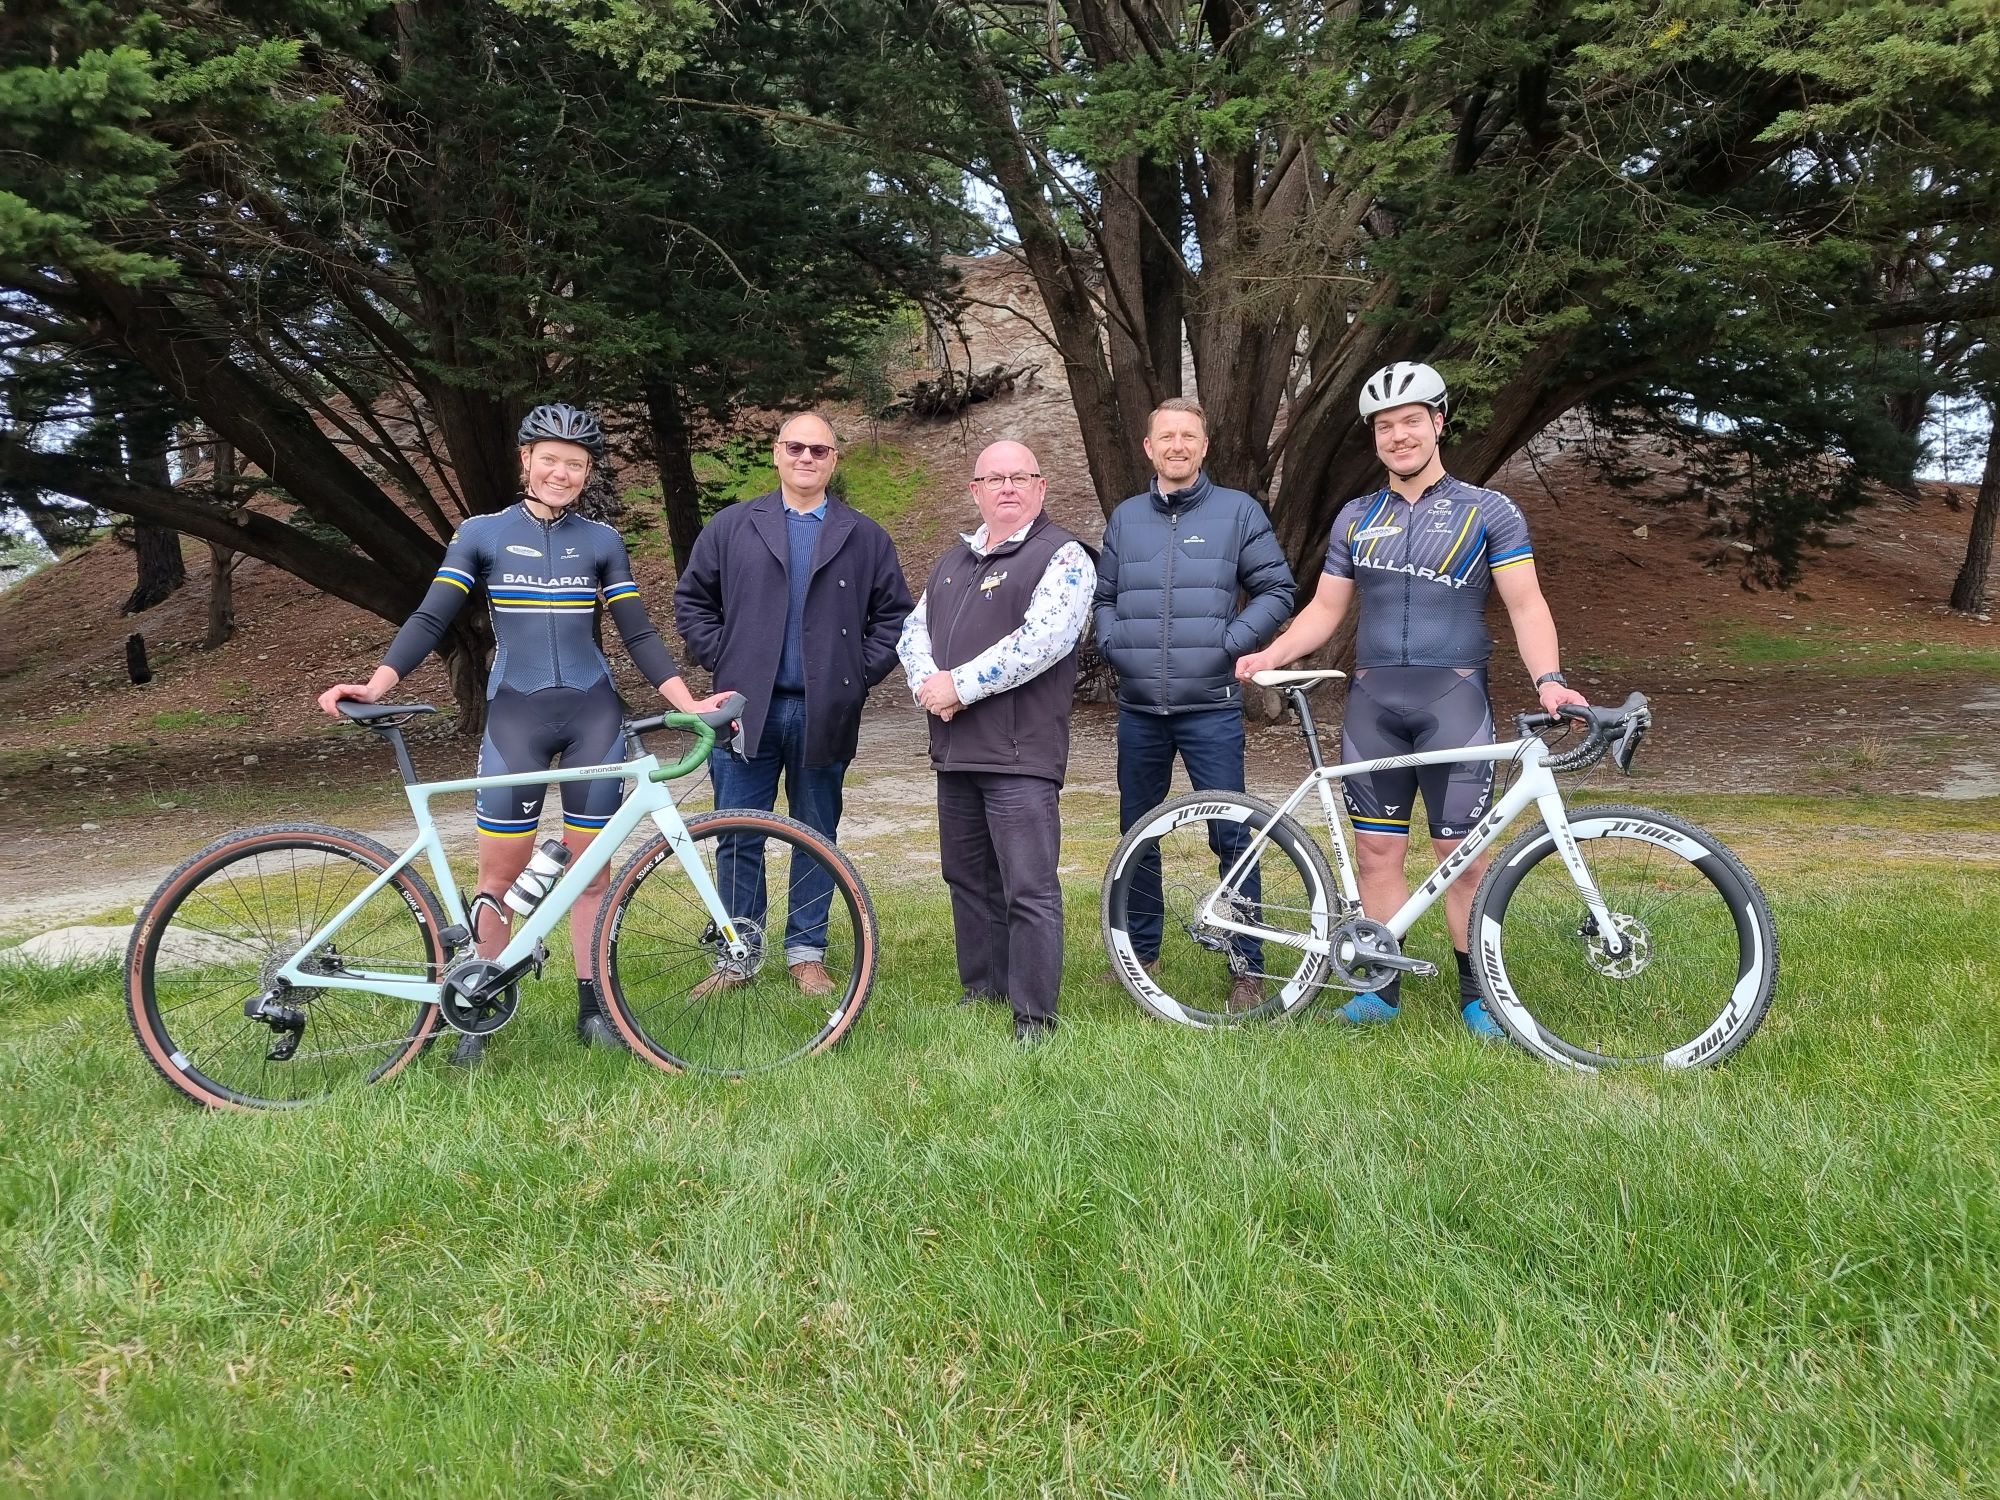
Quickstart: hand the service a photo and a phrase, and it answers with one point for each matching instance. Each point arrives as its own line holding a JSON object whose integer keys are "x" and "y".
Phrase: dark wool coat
{"x": 730, "y": 607}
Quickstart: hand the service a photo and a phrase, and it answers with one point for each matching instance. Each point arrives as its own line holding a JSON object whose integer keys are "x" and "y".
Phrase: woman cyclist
{"x": 545, "y": 571}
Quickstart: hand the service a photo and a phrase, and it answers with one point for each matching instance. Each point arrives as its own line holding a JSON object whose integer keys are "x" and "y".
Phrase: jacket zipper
{"x": 548, "y": 563}
{"x": 1167, "y": 605}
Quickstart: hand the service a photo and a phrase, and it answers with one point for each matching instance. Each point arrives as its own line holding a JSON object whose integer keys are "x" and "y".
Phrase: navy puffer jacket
{"x": 1174, "y": 570}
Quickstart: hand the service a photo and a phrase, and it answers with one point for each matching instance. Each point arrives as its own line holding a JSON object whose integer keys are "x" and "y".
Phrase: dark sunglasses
{"x": 795, "y": 449}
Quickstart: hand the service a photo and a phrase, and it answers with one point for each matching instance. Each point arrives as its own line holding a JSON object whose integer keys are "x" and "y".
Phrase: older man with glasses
{"x": 990, "y": 653}
{"x": 794, "y": 599}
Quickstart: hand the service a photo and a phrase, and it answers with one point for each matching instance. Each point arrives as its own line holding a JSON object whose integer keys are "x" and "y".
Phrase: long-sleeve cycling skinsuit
{"x": 550, "y": 692}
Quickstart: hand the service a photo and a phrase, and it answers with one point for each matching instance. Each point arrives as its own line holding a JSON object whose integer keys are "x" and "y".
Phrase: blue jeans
{"x": 812, "y": 796}
{"x": 1210, "y": 745}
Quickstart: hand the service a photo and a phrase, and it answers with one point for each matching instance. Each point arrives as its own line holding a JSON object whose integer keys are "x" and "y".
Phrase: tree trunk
{"x": 1968, "y": 591}
{"x": 221, "y": 559}
{"x": 680, "y": 492}
{"x": 468, "y": 646}
{"x": 161, "y": 567}
{"x": 221, "y": 596}
{"x": 1111, "y": 436}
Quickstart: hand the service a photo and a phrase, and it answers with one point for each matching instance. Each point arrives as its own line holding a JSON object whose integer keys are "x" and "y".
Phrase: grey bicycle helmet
{"x": 557, "y": 423}
{"x": 1401, "y": 384}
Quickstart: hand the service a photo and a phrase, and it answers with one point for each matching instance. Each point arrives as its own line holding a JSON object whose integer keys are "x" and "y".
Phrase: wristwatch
{"x": 1556, "y": 677}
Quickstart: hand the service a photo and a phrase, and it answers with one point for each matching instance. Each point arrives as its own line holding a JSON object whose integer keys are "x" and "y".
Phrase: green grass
{"x": 1839, "y": 648}
{"x": 198, "y": 718}
{"x": 1141, "y": 1261}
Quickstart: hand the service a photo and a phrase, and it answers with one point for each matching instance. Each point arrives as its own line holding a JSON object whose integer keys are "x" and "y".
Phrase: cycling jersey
{"x": 1422, "y": 571}
{"x": 543, "y": 582}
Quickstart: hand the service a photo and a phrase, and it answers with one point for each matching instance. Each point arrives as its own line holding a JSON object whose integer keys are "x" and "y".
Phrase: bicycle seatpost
{"x": 1297, "y": 695}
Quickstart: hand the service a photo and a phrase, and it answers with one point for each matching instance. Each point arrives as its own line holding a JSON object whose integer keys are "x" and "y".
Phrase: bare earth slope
{"x": 1856, "y": 681}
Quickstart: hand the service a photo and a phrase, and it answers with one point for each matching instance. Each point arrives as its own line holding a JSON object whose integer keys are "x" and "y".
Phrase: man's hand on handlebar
{"x": 1555, "y": 697}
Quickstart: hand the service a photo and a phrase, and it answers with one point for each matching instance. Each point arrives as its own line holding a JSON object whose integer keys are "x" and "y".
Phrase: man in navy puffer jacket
{"x": 1191, "y": 577}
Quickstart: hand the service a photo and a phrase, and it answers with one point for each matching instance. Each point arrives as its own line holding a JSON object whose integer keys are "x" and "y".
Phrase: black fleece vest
{"x": 975, "y": 602}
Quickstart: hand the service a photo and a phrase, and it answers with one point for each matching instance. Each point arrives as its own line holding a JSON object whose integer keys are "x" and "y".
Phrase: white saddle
{"x": 1289, "y": 678}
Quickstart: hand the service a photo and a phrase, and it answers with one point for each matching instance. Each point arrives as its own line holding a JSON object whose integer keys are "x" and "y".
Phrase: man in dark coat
{"x": 1190, "y": 578}
{"x": 795, "y": 599}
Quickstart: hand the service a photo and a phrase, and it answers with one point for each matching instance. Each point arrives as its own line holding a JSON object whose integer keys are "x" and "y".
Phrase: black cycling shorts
{"x": 526, "y": 731}
{"x": 1398, "y": 710}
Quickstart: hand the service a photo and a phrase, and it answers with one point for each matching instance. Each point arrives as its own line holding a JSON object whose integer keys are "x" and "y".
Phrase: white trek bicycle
{"x": 281, "y": 964}
{"x": 1607, "y": 936}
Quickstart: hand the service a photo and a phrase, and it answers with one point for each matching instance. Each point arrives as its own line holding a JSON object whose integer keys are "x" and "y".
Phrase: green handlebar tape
{"x": 704, "y": 741}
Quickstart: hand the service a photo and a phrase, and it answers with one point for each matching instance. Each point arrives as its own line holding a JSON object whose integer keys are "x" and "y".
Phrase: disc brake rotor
{"x": 1634, "y": 957}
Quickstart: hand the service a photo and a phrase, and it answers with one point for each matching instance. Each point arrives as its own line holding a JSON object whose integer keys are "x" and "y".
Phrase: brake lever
{"x": 1627, "y": 746}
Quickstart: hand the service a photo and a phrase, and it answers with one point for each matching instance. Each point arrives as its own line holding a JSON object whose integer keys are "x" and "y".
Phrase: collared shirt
{"x": 1055, "y": 617}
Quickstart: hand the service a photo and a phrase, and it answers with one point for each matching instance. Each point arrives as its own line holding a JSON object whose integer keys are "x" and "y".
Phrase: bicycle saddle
{"x": 1291, "y": 678}
{"x": 367, "y": 713}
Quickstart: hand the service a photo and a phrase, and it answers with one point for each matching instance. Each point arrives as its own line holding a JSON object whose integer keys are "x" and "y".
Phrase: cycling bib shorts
{"x": 1400, "y": 710}
{"x": 525, "y": 732}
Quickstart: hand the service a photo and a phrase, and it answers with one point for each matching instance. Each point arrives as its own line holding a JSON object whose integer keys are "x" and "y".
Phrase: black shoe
{"x": 973, "y": 997}
{"x": 597, "y": 1031}
{"x": 470, "y": 1051}
{"x": 1032, "y": 1032}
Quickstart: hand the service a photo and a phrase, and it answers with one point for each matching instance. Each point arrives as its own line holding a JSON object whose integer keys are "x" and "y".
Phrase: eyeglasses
{"x": 1005, "y": 481}
{"x": 795, "y": 449}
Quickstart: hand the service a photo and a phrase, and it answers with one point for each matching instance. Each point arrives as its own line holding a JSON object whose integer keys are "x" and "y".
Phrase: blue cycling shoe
{"x": 1367, "y": 1010}
{"x": 1479, "y": 1021}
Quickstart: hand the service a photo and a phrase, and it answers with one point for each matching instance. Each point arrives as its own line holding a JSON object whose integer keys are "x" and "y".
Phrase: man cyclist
{"x": 1421, "y": 555}
{"x": 545, "y": 572}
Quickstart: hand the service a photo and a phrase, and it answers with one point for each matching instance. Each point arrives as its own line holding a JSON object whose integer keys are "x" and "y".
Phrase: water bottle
{"x": 541, "y": 874}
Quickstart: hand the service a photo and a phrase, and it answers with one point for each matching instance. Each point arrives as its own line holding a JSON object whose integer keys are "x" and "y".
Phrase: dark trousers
{"x": 812, "y": 796}
{"x": 1000, "y": 836}
{"x": 1210, "y": 745}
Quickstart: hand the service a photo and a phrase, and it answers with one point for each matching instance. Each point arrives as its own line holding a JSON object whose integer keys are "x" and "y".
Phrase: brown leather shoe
{"x": 1247, "y": 993}
{"x": 812, "y": 978}
{"x": 722, "y": 979}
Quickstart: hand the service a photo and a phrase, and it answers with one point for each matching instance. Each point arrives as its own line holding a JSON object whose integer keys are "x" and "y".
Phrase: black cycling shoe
{"x": 470, "y": 1051}
{"x": 597, "y": 1031}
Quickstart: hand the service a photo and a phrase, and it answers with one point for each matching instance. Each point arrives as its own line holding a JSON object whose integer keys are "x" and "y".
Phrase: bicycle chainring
{"x": 466, "y": 1007}
{"x": 1353, "y": 942}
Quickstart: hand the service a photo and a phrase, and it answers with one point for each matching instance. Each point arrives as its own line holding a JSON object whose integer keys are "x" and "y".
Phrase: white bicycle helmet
{"x": 1401, "y": 384}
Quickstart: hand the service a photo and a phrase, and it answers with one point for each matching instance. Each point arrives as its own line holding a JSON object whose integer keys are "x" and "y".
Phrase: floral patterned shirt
{"x": 1057, "y": 612}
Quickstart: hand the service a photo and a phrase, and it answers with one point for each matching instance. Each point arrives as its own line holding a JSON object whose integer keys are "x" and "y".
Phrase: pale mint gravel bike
{"x": 283, "y": 964}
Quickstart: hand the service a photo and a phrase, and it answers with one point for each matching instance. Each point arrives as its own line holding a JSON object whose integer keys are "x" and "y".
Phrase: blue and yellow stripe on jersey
{"x": 456, "y": 577}
{"x": 613, "y": 592}
{"x": 1513, "y": 559}
{"x": 513, "y": 598}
